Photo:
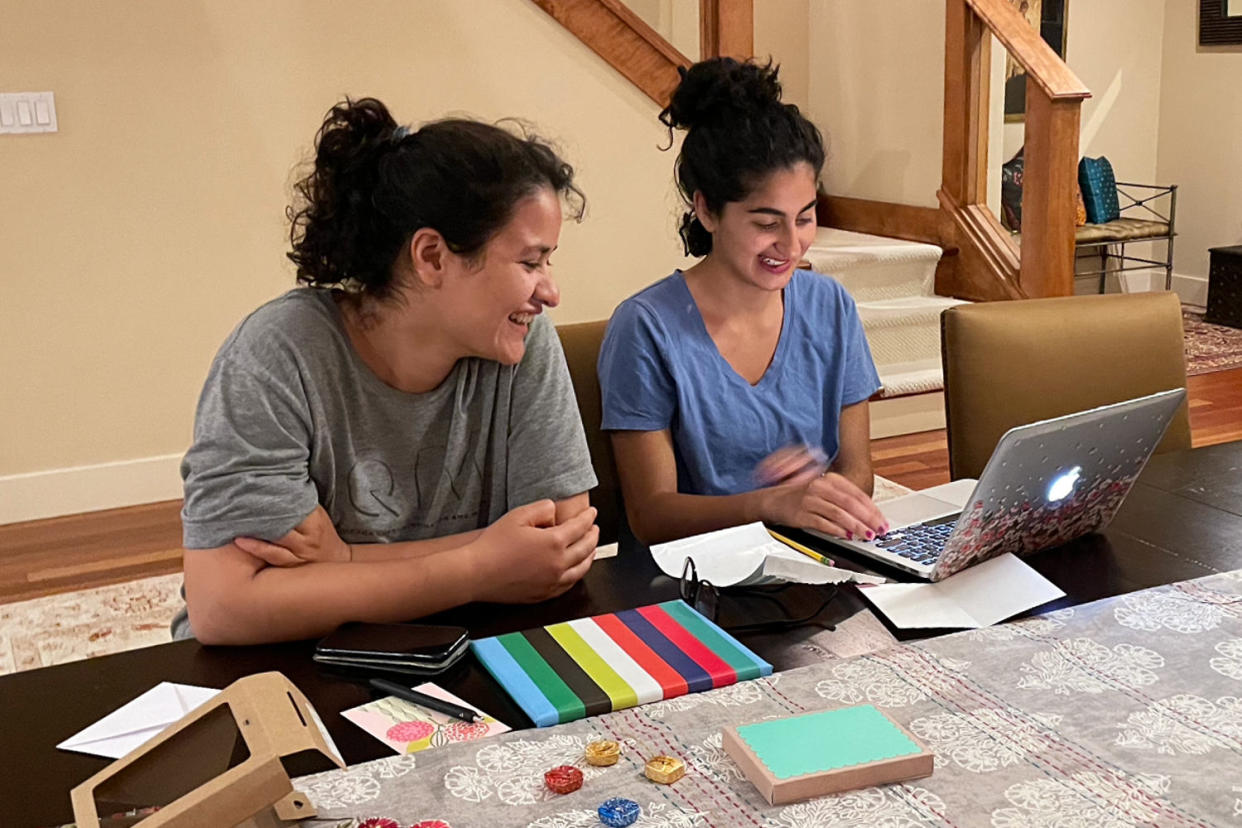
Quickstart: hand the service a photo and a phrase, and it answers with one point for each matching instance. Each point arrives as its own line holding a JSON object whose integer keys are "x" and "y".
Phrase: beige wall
{"x": 1200, "y": 149}
{"x": 1114, "y": 47}
{"x": 676, "y": 20}
{"x": 782, "y": 33}
{"x": 134, "y": 239}
{"x": 877, "y": 92}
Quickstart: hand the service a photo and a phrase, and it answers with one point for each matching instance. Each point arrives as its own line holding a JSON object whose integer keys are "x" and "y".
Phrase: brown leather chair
{"x": 1011, "y": 363}
{"x": 581, "y": 342}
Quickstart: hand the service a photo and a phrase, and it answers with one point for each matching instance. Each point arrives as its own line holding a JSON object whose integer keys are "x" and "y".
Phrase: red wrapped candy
{"x": 563, "y": 779}
{"x": 379, "y": 822}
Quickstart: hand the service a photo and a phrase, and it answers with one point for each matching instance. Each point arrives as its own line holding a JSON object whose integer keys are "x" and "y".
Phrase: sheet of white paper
{"x": 804, "y": 570}
{"x": 747, "y": 555}
{"x": 137, "y": 721}
{"x": 980, "y": 596}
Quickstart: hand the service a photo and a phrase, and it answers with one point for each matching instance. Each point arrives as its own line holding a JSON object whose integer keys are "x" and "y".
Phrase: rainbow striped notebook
{"x": 567, "y": 671}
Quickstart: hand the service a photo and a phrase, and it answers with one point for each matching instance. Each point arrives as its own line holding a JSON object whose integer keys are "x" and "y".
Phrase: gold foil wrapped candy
{"x": 603, "y": 752}
{"x": 665, "y": 769}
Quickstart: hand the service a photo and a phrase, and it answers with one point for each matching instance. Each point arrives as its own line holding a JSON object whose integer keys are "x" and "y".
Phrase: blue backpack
{"x": 1099, "y": 190}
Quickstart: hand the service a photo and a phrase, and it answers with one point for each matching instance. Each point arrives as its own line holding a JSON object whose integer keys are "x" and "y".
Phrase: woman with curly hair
{"x": 398, "y": 435}
{"x": 737, "y": 390}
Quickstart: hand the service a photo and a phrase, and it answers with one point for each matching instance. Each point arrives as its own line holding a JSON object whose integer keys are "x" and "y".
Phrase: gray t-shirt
{"x": 290, "y": 417}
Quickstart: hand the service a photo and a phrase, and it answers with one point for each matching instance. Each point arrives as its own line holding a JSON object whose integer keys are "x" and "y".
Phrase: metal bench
{"x": 1144, "y": 218}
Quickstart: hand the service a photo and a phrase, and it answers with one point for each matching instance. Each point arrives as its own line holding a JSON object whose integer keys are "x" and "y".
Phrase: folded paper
{"x": 983, "y": 595}
{"x": 138, "y": 721}
{"x": 748, "y": 556}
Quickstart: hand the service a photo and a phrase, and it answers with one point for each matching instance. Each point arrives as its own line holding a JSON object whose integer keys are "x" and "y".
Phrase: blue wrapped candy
{"x": 619, "y": 812}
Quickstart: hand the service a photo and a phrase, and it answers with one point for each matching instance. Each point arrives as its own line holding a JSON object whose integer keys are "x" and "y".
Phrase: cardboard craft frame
{"x": 193, "y": 770}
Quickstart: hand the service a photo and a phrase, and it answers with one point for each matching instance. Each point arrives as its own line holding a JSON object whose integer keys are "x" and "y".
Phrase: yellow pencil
{"x": 797, "y": 547}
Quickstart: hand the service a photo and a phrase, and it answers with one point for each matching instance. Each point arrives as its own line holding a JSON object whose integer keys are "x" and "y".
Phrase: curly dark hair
{"x": 737, "y": 131}
{"x": 375, "y": 183}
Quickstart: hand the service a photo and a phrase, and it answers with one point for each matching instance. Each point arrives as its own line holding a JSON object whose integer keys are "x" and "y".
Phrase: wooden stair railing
{"x": 992, "y": 266}
{"x": 982, "y": 261}
{"x": 727, "y": 27}
{"x": 624, "y": 40}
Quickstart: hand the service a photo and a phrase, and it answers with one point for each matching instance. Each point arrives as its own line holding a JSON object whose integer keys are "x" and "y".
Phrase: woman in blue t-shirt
{"x": 737, "y": 390}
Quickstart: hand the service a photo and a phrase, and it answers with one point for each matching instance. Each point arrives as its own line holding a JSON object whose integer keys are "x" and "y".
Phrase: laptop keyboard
{"x": 921, "y": 543}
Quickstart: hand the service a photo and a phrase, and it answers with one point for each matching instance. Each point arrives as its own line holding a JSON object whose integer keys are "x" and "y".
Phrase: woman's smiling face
{"x": 761, "y": 238}
{"x": 494, "y": 297}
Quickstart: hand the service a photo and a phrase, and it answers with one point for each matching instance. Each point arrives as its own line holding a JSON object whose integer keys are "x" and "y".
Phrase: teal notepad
{"x": 826, "y": 741}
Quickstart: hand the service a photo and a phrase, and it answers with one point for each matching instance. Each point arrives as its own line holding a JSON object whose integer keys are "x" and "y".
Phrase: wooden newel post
{"x": 967, "y": 54}
{"x": 1050, "y": 182}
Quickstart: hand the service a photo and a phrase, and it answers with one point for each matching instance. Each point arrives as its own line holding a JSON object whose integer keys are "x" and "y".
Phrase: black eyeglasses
{"x": 707, "y": 598}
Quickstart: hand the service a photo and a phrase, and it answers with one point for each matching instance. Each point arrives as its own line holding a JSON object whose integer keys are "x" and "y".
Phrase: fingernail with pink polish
{"x": 849, "y": 535}
{"x": 870, "y": 534}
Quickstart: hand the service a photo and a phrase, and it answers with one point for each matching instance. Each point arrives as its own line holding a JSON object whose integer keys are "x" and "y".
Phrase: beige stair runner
{"x": 892, "y": 282}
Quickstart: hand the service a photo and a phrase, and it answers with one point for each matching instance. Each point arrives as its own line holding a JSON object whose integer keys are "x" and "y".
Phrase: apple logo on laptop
{"x": 1063, "y": 484}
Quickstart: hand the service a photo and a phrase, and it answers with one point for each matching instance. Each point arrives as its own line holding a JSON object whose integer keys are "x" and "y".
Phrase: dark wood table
{"x": 1182, "y": 520}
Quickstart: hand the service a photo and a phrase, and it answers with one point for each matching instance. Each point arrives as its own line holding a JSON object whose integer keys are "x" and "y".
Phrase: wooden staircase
{"x": 981, "y": 259}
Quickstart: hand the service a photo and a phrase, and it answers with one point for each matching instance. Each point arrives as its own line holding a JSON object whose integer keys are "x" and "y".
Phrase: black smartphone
{"x": 428, "y": 643}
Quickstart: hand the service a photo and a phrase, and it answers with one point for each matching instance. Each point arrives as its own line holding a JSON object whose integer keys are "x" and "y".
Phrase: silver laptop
{"x": 1046, "y": 484}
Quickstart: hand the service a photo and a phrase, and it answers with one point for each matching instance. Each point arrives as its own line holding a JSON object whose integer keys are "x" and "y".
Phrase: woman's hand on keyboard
{"x": 828, "y": 503}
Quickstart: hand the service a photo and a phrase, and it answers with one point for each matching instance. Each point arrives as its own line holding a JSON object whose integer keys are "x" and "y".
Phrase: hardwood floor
{"x": 42, "y": 557}
{"x": 60, "y": 554}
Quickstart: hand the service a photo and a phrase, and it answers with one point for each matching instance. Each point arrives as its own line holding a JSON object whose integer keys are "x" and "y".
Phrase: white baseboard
{"x": 70, "y": 491}
{"x": 907, "y": 415}
{"x": 1192, "y": 290}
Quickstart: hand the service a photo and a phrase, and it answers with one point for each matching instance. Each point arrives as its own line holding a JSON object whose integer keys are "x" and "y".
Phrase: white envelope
{"x": 136, "y": 722}
{"x": 978, "y": 596}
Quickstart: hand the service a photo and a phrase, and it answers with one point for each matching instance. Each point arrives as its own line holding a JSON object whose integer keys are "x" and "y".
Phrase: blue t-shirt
{"x": 660, "y": 369}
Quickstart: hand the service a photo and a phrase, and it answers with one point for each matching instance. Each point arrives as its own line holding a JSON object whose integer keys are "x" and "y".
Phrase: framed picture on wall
{"x": 1048, "y": 17}
{"x": 1220, "y": 22}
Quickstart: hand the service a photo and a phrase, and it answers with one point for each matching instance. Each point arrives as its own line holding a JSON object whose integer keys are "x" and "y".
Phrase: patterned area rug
{"x": 1210, "y": 347}
{"x": 55, "y": 629}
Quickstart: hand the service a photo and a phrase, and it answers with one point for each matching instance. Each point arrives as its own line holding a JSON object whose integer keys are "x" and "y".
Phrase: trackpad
{"x": 915, "y": 508}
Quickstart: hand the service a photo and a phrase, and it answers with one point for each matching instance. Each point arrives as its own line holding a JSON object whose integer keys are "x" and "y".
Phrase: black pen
{"x": 423, "y": 700}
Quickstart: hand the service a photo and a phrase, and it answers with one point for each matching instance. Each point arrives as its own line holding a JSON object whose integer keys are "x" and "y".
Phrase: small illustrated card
{"x": 407, "y": 728}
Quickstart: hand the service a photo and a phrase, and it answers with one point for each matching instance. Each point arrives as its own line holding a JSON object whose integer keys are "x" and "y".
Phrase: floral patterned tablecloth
{"x": 1127, "y": 711}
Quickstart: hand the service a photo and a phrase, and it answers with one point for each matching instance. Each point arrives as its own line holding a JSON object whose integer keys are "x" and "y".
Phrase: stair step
{"x": 904, "y": 336}
{"x": 915, "y": 377}
{"x": 875, "y": 268}
{"x": 910, "y": 310}
{"x": 893, "y": 285}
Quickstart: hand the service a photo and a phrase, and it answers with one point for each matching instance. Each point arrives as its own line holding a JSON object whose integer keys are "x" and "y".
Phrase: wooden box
{"x": 815, "y": 754}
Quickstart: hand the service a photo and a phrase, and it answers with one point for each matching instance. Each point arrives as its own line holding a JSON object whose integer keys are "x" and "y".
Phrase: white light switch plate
{"x": 22, "y": 112}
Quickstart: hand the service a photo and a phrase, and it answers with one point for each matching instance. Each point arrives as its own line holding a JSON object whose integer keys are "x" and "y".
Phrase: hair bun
{"x": 720, "y": 89}
{"x": 351, "y": 132}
